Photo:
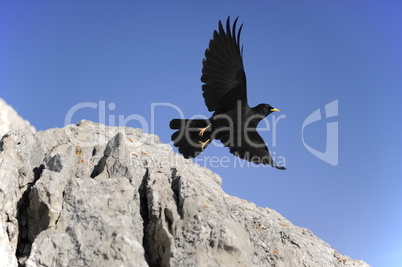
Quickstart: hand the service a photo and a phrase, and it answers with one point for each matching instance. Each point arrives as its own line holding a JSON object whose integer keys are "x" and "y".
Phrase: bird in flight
{"x": 233, "y": 122}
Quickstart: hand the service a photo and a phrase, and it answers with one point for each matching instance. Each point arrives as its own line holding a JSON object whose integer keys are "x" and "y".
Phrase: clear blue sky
{"x": 298, "y": 56}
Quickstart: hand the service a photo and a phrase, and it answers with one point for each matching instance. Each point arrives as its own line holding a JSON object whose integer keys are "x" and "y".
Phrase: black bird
{"x": 233, "y": 122}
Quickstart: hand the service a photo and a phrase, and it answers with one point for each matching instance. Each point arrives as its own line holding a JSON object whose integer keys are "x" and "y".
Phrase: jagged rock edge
{"x": 175, "y": 180}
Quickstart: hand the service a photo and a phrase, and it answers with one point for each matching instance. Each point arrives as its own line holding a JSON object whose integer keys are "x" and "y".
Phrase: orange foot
{"x": 203, "y": 144}
{"x": 202, "y": 130}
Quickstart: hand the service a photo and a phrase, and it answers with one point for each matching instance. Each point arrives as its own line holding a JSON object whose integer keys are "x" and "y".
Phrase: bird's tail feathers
{"x": 186, "y": 123}
{"x": 188, "y": 138}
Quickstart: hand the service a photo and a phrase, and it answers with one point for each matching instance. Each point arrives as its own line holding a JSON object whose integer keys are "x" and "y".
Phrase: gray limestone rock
{"x": 92, "y": 195}
{"x": 10, "y": 120}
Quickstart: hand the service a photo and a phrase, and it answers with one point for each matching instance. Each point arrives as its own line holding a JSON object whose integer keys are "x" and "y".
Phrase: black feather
{"x": 233, "y": 122}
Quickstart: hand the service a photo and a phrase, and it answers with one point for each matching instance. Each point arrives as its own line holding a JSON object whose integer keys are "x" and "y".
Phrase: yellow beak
{"x": 275, "y": 109}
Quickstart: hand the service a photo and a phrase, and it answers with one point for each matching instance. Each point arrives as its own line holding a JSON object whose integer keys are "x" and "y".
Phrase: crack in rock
{"x": 175, "y": 186}
{"x": 146, "y": 242}
{"x": 24, "y": 243}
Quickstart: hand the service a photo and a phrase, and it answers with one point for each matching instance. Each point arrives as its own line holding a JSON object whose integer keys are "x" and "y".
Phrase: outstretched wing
{"x": 223, "y": 71}
{"x": 252, "y": 148}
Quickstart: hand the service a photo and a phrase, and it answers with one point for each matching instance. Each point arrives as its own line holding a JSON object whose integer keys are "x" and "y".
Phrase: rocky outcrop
{"x": 10, "y": 120}
{"x": 92, "y": 195}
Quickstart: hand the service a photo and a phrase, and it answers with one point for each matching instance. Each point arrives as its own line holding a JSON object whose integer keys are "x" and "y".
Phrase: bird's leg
{"x": 202, "y": 130}
{"x": 203, "y": 144}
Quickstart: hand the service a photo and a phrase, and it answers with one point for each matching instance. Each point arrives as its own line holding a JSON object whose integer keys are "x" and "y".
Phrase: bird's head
{"x": 264, "y": 109}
